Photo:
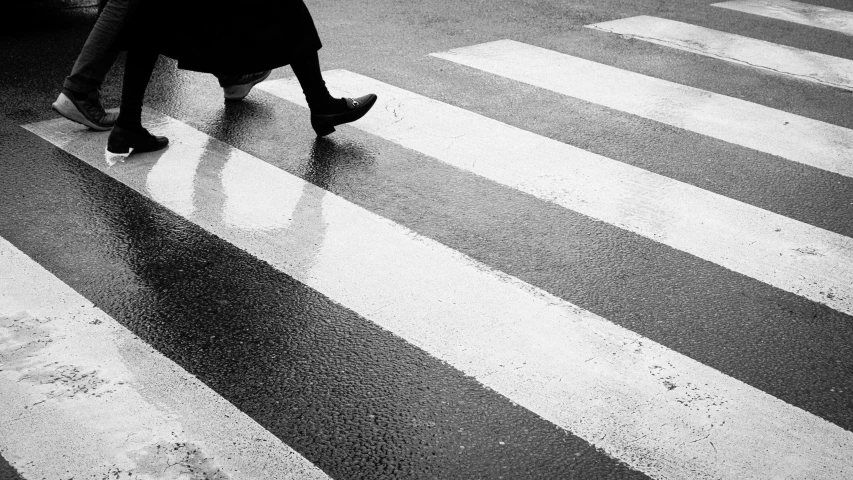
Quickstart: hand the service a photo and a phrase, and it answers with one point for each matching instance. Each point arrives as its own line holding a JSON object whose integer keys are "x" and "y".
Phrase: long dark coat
{"x": 226, "y": 37}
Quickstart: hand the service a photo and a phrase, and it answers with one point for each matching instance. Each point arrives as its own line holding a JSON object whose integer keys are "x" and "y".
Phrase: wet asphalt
{"x": 360, "y": 402}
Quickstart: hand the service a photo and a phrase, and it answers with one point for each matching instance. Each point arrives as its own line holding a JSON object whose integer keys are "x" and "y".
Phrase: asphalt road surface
{"x": 573, "y": 239}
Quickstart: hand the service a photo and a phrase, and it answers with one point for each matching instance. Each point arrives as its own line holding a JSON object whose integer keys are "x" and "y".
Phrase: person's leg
{"x": 80, "y": 97}
{"x": 128, "y": 132}
{"x": 101, "y": 48}
{"x": 307, "y": 71}
{"x": 137, "y": 73}
{"x": 326, "y": 111}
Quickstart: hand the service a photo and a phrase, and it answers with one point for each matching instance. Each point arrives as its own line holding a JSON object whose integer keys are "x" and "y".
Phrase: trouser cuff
{"x": 79, "y": 87}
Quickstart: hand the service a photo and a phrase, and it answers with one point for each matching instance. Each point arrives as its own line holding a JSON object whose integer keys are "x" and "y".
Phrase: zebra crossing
{"x": 802, "y": 64}
{"x": 628, "y": 197}
{"x": 128, "y": 409}
{"x": 512, "y": 329}
{"x": 802, "y": 13}
{"x": 793, "y": 137}
{"x": 644, "y": 404}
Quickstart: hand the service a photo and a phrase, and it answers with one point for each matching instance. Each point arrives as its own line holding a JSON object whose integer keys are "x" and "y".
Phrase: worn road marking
{"x": 799, "y": 139}
{"x": 796, "y": 12}
{"x": 802, "y": 64}
{"x": 657, "y": 410}
{"x": 791, "y": 255}
{"x": 82, "y": 397}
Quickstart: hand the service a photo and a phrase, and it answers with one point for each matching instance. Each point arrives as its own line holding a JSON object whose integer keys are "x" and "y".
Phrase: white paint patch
{"x": 799, "y": 258}
{"x": 796, "y": 12}
{"x": 802, "y": 64}
{"x": 754, "y": 126}
{"x": 82, "y": 397}
{"x": 657, "y": 410}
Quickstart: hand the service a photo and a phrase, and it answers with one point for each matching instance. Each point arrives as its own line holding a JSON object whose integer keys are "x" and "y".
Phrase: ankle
{"x": 129, "y": 118}
{"x": 75, "y": 94}
{"x": 129, "y": 125}
{"x": 327, "y": 106}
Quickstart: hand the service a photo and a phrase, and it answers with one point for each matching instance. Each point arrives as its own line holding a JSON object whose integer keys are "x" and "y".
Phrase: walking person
{"x": 259, "y": 36}
{"x": 80, "y": 100}
{"x": 206, "y": 37}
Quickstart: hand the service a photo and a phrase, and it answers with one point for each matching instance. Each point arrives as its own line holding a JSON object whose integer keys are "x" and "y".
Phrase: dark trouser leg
{"x": 128, "y": 133}
{"x": 137, "y": 73}
{"x": 307, "y": 70}
{"x": 101, "y": 48}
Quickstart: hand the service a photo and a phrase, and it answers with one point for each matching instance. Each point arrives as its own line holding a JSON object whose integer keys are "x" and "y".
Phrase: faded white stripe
{"x": 802, "y": 64}
{"x": 796, "y": 12}
{"x": 82, "y": 397}
{"x": 808, "y": 261}
{"x": 653, "y": 408}
{"x": 765, "y": 129}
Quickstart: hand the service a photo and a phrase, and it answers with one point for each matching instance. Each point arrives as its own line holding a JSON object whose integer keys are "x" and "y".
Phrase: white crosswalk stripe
{"x": 796, "y": 12}
{"x": 512, "y": 337}
{"x": 85, "y": 398}
{"x": 788, "y": 254}
{"x": 765, "y": 129}
{"x": 794, "y": 62}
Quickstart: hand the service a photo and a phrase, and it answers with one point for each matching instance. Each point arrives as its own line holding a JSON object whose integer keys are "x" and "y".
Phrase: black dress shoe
{"x": 324, "y": 123}
{"x": 122, "y": 140}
